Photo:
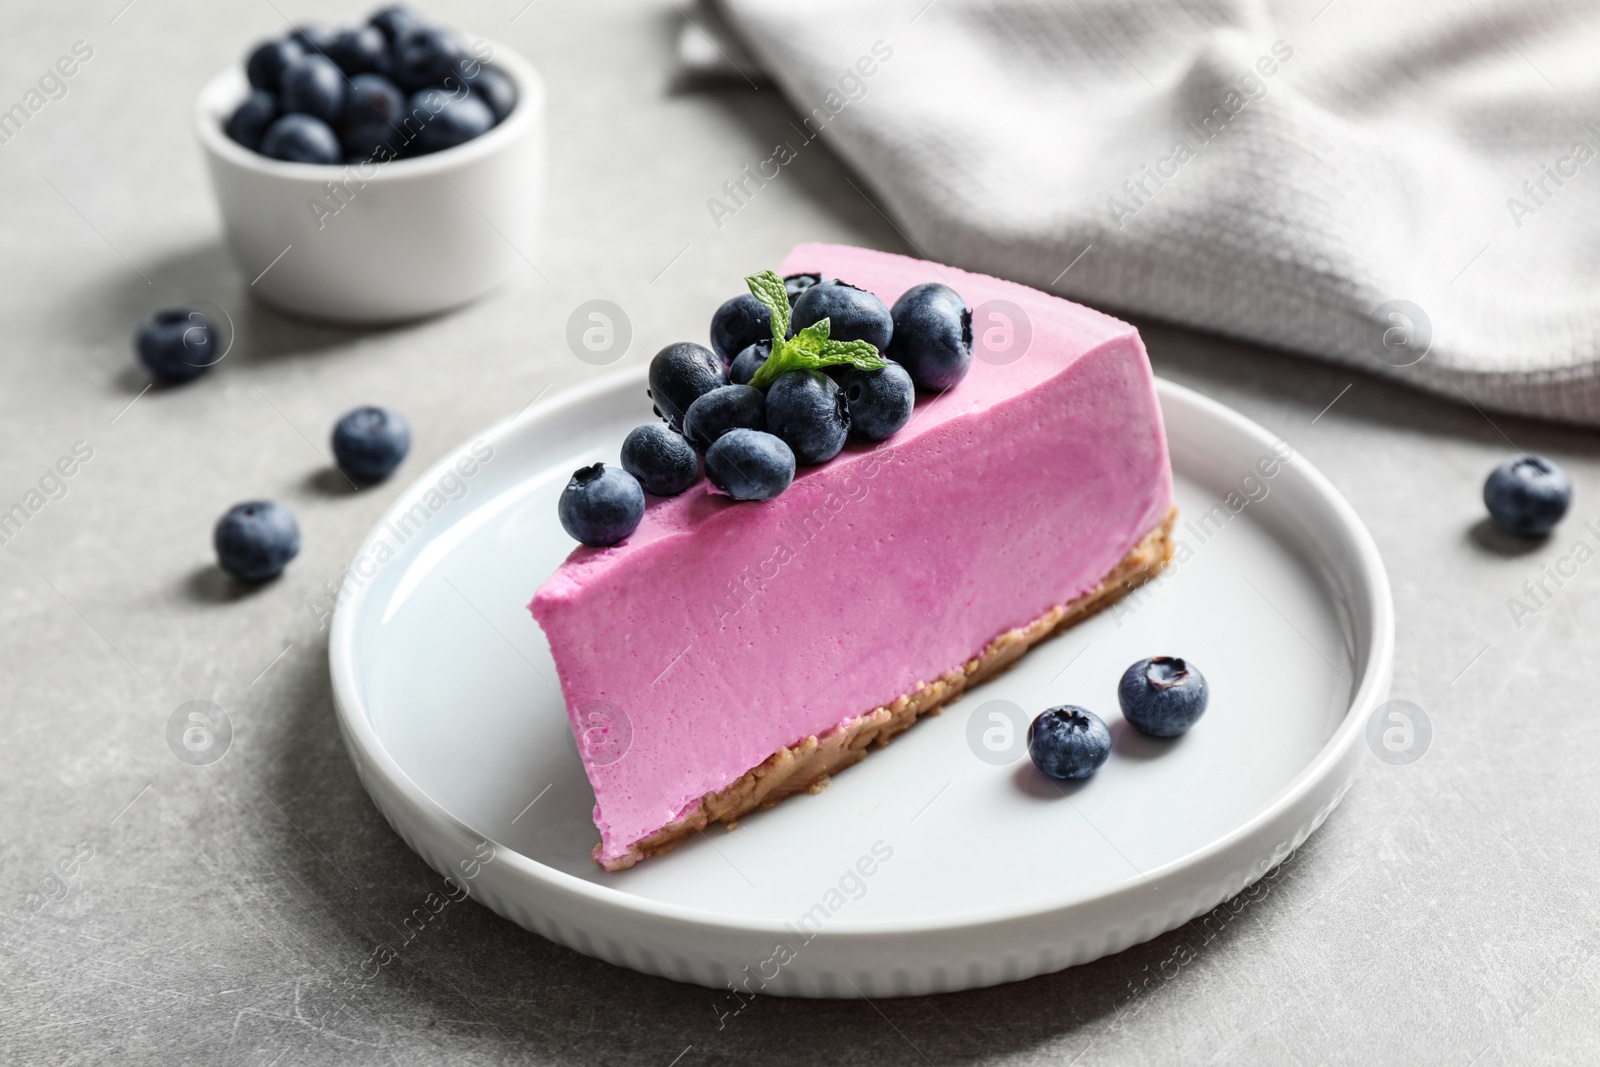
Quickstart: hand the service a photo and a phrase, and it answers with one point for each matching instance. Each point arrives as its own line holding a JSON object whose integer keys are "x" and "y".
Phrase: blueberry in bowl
{"x": 450, "y": 119}
{"x": 360, "y": 50}
{"x": 1528, "y": 495}
{"x": 313, "y": 85}
{"x": 424, "y": 57}
{"x": 267, "y": 62}
{"x": 250, "y": 120}
{"x": 301, "y": 139}
{"x": 370, "y": 442}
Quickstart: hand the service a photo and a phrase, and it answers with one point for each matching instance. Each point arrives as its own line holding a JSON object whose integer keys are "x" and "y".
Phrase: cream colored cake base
{"x": 807, "y": 764}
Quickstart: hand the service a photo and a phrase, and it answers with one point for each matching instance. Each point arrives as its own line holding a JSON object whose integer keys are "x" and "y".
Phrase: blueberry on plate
{"x": 679, "y": 375}
{"x": 423, "y": 58}
{"x": 269, "y": 60}
{"x": 853, "y": 314}
{"x": 301, "y": 139}
{"x": 601, "y": 505}
{"x": 1162, "y": 696}
{"x": 314, "y": 86}
{"x": 807, "y": 409}
{"x": 313, "y": 38}
{"x": 449, "y": 120}
{"x": 494, "y": 89}
{"x": 663, "y": 461}
{"x": 1068, "y": 742}
{"x": 740, "y": 321}
{"x": 750, "y": 465}
{"x": 176, "y": 345}
{"x": 360, "y": 50}
{"x": 251, "y": 118}
{"x": 727, "y": 407}
{"x": 1528, "y": 495}
{"x": 795, "y": 284}
{"x": 748, "y": 361}
{"x": 880, "y": 401}
{"x": 395, "y": 21}
{"x": 932, "y": 336}
{"x": 370, "y": 442}
{"x": 256, "y": 540}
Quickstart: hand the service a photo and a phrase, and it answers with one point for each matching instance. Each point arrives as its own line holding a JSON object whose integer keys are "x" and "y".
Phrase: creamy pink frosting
{"x": 721, "y": 631}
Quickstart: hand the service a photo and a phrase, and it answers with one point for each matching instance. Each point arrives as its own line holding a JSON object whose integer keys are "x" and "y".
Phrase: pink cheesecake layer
{"x": 721, "y": 631}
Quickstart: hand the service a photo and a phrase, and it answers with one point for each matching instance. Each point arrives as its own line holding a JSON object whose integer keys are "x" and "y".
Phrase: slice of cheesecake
{"x": 727, "y": 655}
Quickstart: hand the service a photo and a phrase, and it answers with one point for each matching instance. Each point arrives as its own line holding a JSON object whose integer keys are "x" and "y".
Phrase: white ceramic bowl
{"x": 402, "y": 239}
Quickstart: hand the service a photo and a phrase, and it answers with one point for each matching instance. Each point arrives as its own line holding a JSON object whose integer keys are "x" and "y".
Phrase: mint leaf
{"x": 810, "y": 349}
{"x": 768, "y": 288}
{"x": 859, "y": 354}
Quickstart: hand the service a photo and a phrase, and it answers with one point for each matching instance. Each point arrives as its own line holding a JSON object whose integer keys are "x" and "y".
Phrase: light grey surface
{"x": 1444, "y": 914}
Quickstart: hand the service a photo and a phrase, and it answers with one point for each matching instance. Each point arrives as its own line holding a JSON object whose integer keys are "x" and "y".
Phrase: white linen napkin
{"x": 1410, "y": 188}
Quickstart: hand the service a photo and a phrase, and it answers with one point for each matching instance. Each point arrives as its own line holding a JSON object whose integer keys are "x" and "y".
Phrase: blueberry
{"x": 395, "y": 21}
{"x": 372, "y": 98}
{"x": 256, "y": 540}
{"x": 370, "y": 442}
{"x": 362, "y": 50}
{"x": 1528, "y": 495}
{"x": 494, "y": 89}
{"x": 372, "y": 114}
{"x": 795, "y": 284}
{"x": 601, "y": 505}
{"x": 313, "y": 38}
{"x": 880, "y": 401}
{"x": 314, "y": 86}
{"x": 1162, "y": 696}
{"x": 679, "y": 374}
{"x": 1068, "y": 742}
{"x": 853, "y": 314}
{"x": 932, "y": 336}
{"x": 724, "y": 408}
{"x": 266, "y": 65}
{"x": 448, "y": 120}
{"x": 662, "y": 460}
{"x": 748, "y": 361}
{"x": 741, "y": 321}
{"x": 301, "y": 139}
{"x": 750, "y": 465}
{"x": 807, "y": 410}
{"x": 177, "y": 345}
{"x": 423, "y": 58}
{"x": 251, "y": 118}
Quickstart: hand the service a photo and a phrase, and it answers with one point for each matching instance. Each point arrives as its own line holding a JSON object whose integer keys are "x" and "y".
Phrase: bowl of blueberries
{"x": 379, "y": 172}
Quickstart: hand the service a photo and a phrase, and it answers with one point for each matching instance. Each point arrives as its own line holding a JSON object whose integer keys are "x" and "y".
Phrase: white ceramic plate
{"x": 926, "y": 868}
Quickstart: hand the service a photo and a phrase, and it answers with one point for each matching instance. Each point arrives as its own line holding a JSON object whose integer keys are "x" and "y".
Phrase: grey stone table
{"x": 162, "y": 913}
